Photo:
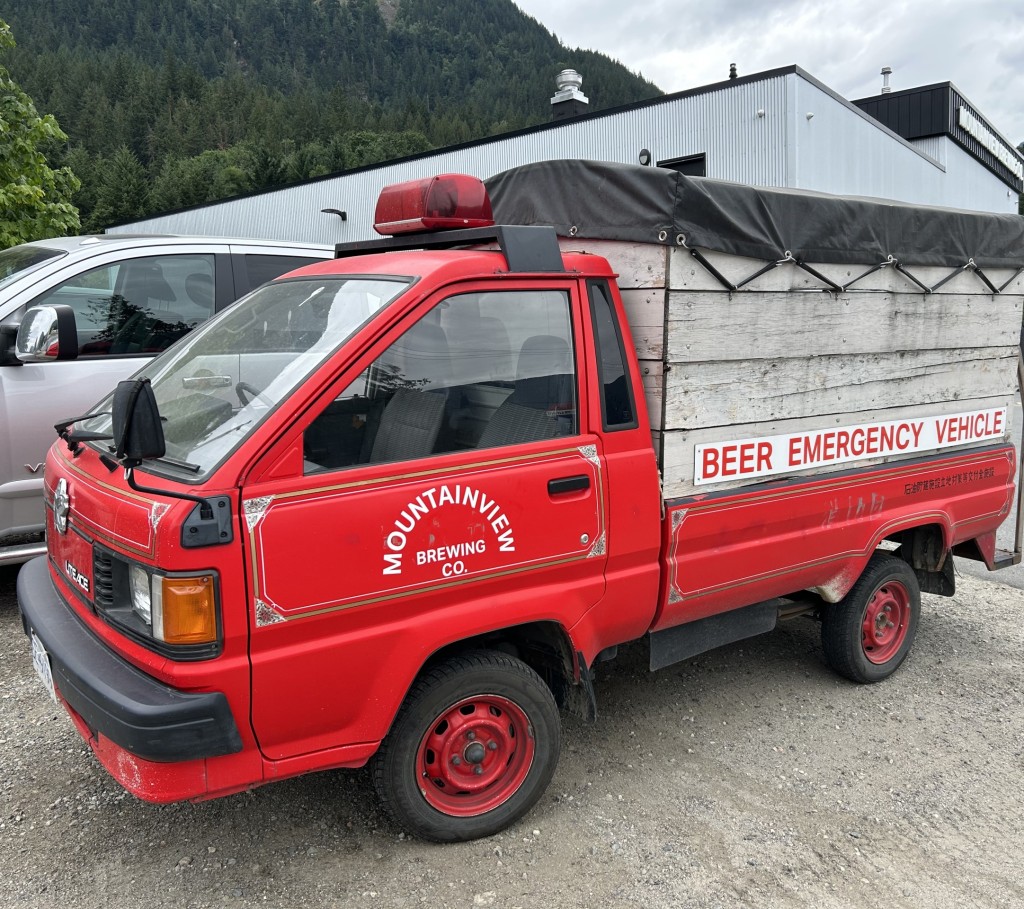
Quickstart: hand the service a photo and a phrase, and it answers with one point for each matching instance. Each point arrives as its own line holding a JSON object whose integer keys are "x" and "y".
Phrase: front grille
{"x": 102, "y": 579}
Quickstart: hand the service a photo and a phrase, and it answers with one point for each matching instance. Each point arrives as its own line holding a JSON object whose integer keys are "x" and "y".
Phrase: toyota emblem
{"x": 61, "y": 506}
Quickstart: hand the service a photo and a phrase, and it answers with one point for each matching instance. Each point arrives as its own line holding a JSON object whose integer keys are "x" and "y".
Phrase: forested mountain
{"x": 169, "y": 103}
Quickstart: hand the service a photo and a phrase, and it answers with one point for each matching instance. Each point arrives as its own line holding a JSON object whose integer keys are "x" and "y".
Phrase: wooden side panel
{"x": 725, "y": 393}
{"x": 787, "y": 353}
{"x": 653, "y": 374}
{"x": 637, "y": 264}
{"x": 645, "y": 311}
{"x": 747, "y": 325}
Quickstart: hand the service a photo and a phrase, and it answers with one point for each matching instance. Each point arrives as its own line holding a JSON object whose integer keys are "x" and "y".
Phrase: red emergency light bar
{"x": 443, "y": 202}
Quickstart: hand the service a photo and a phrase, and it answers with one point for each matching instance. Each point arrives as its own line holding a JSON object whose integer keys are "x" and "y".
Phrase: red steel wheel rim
{"x": 475, "y": 756}
{"x": 885, "y": 622}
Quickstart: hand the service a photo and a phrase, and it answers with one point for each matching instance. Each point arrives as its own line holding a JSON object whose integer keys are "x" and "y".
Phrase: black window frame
{"x": 595, "y": 288}
{"x": 688, "y": 165}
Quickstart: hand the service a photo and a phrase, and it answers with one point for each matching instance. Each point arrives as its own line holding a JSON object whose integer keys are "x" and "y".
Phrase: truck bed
{"x": 787, "y": 354}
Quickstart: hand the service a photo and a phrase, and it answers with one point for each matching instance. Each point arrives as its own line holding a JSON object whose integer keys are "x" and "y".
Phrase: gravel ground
{"x": 750, "y": 776}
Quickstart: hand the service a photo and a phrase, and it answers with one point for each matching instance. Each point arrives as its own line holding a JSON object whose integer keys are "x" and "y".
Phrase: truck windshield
{"x": 20, "y": 259}
{"x": 222, "y": 380}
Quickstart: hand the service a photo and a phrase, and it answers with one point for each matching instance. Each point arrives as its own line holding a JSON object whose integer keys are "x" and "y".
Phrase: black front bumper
{"x": 133, "y": 710}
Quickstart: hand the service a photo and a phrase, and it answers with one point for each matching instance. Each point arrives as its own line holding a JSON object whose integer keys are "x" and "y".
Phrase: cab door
{"x": 446, "y": 487}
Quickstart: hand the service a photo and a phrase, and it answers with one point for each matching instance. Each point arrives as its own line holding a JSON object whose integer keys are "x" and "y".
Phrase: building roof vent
{"x": 886, "y": 73}
{"x": 568, "y": 101}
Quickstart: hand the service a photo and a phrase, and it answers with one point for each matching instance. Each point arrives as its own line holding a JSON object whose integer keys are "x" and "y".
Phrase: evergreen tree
{"x": 247, "y": 94}
{"x": 35, "y": 199}
{"x": 123, "y": 191}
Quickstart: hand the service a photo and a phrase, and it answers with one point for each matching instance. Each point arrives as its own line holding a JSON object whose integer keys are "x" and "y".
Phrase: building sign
{"x": 715, "y": 462}
{"x": 990, "y": 142}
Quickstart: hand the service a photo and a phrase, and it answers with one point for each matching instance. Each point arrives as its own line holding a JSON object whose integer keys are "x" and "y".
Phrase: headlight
{"x": 142, "y": 599}
{"x": 174, "y": 610}
{"x": 176, "y": 614}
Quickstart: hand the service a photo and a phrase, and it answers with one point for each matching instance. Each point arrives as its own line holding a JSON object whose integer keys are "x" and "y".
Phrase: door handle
{"x": 568, "y": 484}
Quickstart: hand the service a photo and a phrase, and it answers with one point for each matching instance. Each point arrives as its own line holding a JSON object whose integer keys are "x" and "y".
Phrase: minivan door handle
{"x": 568, "y": 484}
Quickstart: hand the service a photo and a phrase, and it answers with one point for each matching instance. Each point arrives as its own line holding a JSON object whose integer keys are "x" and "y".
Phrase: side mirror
{"x": 47, "y": 333}
{"x": 138, "y": 432}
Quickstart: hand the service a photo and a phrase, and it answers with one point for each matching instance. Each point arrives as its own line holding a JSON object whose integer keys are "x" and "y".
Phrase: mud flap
{"x": 941, "y": 583}
{"x": 582, "y": 699}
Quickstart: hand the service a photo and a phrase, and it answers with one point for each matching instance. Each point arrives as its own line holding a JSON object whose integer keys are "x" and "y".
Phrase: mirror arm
{"x": 208, "y": 524}
{"x": 129, "y": 475}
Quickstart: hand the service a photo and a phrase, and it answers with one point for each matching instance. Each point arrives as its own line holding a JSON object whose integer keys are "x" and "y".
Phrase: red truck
{"x": 399, "y": 506}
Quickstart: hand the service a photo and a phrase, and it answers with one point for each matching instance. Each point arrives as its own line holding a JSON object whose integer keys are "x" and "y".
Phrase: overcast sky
{"x": 978, "y": 45}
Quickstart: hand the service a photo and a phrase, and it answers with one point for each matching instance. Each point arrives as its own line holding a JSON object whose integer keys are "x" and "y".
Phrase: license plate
{"x": 41, "y": 661}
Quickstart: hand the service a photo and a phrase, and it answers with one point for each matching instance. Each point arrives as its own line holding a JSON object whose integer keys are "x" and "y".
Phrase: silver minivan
{"x": 132, "y": 297}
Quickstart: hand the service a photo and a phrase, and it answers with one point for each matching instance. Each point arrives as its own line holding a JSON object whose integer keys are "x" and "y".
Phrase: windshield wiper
{"x": 175, "y": 462}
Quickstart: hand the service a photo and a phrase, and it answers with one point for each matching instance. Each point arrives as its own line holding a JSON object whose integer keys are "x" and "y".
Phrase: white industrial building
{"x": 781, "y": 128}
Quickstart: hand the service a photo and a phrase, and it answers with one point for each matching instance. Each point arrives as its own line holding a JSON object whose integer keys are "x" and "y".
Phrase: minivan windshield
{"x": 221, "y": 381}
{"x": 19, "y": 259}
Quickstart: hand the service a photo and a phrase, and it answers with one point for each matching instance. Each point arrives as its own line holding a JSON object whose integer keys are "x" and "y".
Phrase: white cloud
{"x": 680, "y": 44}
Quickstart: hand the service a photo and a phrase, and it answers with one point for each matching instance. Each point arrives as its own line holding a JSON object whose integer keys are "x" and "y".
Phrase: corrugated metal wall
{"x": 752, "y": 130}
{"x": 840, "y": 150}
{"x": 934, "y": 147}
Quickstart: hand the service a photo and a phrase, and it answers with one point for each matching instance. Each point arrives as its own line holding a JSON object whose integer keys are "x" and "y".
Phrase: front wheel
{"x": 868, "y": 634}
{"x": 472, "y": 749}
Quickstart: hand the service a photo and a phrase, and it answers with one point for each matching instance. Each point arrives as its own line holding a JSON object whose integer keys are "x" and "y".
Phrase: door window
{"x": 137, "y": 306}
{"x": 262, "y": 268}
{"x": 480, "y": 370}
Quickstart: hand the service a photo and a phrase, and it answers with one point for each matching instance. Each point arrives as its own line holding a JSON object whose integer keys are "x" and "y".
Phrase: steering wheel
{"x": 247, "y": 392}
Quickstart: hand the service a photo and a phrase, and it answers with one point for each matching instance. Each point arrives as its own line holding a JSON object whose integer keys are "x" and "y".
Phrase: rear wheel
{"x": 472, "y": 749}
{"x": 868, "y": 634}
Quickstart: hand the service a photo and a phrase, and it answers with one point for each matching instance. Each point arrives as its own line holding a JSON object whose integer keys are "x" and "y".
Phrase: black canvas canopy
{"x": 596, "y": 199}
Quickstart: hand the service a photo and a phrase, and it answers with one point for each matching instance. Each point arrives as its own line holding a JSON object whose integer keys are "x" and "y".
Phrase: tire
{"x": 868, "y": 634}
{"x": 472, "y": 749}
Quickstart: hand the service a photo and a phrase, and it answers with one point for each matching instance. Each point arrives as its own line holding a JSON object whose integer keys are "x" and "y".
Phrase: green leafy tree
{"x": 35, "y": 199}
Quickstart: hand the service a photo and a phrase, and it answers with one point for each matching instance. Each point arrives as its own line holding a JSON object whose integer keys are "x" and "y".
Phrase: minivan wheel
{"x": 472, "y": 749}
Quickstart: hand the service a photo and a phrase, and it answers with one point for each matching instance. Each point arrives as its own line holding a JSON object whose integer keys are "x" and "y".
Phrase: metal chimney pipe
{"x": 568, "y": 80}
{"x": 886, "y": 72}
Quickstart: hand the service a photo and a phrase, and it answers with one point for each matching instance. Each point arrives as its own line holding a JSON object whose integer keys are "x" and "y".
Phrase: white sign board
{"x": 784, "y": 454}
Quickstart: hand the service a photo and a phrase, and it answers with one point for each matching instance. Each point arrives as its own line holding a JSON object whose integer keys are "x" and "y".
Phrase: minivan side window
{"x": 262, "y": 268}
{"x": 480, "y": 370}
{"x": 137, "y": 306}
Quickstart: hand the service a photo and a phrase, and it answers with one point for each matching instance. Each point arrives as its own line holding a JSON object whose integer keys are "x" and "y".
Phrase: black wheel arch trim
{"x": 135, "y": 711}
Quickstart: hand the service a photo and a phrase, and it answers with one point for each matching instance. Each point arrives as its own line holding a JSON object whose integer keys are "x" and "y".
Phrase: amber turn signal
{"x": 188, "y": 613}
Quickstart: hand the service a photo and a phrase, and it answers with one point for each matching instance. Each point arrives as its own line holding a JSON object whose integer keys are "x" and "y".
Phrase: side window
{"x": 262, "y": 268}
{"x": 478, "y": 371}
{"x": 137, "y": 305}
{"x": 617, "y": 408}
